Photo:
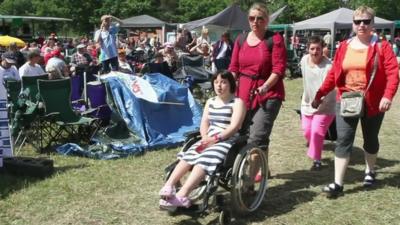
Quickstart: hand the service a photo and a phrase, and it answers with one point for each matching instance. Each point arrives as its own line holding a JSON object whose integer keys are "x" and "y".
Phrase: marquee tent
{"x": 231, "y": 17}
{"x": 142, "y": 21}
{"x": 341, "y": 18}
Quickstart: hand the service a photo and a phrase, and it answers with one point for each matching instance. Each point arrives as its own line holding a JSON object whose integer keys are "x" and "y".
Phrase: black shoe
{"x": 333, "y": 190}
{"x": 369, "y": 179}
{"x": 316, "y": 166}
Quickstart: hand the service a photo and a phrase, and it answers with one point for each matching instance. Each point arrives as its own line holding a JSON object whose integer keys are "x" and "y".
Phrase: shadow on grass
{"x": 11, "y": 183}
{"x": 286, "y": 197}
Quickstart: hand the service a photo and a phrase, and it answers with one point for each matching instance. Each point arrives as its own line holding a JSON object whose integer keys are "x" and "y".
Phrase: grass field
{"x": 85, "y": 191}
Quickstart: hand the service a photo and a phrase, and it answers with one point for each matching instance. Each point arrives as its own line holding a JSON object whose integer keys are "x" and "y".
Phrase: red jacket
{"x": 384, "y": 84}
{"x": 259, "y": 62}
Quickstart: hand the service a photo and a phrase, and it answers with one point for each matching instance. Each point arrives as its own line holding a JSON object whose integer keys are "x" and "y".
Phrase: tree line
{"x": 86, "y": 14}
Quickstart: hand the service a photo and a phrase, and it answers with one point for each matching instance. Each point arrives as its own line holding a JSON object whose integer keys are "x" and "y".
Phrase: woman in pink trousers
{"x": 315, "y": 122}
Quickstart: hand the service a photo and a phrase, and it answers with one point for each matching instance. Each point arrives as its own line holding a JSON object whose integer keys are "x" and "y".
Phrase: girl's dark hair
{"x": 225, "y": 74}
{"x": 315, "y": 40}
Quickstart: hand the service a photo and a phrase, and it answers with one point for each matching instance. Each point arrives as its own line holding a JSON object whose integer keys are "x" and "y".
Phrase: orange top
{"x": 354, "y": 68}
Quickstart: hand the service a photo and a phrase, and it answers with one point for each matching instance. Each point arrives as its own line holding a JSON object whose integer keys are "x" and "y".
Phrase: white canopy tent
{"x": 341, "y": 18}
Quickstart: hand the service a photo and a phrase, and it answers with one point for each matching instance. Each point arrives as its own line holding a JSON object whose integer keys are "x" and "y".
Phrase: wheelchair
{"x": 236, "y": 175}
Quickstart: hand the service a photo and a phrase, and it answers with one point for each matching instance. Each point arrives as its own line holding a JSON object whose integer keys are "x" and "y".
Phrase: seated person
{"x": 222, "y": 118}
{"x": 124, "y": 65}
{"x": 80, "y": 60}
{"x": 31, "y": 67}
{"x": 205, "y": 51}
{"x": 8, "y": 70}
{"x": 170, "y": 56}
{"x": 56, "y": 67}
{"x": 158, "y": 66}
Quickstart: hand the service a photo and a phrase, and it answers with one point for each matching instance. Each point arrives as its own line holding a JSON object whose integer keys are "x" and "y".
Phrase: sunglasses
{"x": 256, "y": 18}
{"x": 366, "y": 21}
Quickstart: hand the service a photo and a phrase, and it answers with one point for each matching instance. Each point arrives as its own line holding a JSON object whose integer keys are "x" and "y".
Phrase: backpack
{"x": 268, "y": 39}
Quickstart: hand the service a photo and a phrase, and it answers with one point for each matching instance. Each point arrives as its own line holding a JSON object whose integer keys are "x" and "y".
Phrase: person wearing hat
{"x": 56, "y": 66}
{"x": 31, "y": 67}
{"x": 20, "y": 58}
{"x": 170, "y": 56}
{"x": 106, "y": 36}
{"x": 124, "y": 65}
{"x": 80, "y": 60}
{"x": 7, "y": 71}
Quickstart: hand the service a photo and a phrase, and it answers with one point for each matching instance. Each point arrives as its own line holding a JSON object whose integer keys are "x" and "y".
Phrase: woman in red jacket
{"x": 351, "y": 71}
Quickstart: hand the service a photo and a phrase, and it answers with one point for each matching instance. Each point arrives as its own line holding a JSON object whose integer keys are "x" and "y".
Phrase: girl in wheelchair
{"x": 222, "y": 118}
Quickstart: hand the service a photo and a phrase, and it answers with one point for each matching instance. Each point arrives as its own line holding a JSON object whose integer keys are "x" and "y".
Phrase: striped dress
{"x": 219, "y": 118}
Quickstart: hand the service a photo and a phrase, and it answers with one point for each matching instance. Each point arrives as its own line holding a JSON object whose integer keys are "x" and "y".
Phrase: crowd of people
{"x": 248, "y": 83}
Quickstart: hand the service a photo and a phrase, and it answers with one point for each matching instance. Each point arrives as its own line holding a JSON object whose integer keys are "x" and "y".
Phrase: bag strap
{"x": 375, "y": 67}
{"x": 268, "y": 39}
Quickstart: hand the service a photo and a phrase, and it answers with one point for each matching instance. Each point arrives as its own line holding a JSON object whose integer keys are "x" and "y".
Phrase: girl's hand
{"x": 208, "y": 141}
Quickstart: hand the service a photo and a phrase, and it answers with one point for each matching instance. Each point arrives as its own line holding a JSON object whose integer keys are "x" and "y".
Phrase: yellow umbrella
{"x": 7, "y": 40}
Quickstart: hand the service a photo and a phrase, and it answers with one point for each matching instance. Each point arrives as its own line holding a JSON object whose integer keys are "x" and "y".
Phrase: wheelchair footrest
{"x": 28, "y": 166}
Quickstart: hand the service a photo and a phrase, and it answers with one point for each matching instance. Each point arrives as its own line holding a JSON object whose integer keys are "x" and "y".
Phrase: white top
{"x": 201, "y": 40}
{"x": 55, "y": 62}
{"x": 222, "y": 51}
{"x": 30, "y": 71}
{"x": 313, "y": 77}
{"x": 11, "y": 72}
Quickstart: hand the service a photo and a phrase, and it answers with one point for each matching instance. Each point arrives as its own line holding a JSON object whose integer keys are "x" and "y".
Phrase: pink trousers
{"x": 314, "y": 130}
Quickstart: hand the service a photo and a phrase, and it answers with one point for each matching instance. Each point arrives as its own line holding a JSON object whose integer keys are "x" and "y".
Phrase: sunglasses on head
{"x": 256, "y": 18}
{"x": 366, "y": 21}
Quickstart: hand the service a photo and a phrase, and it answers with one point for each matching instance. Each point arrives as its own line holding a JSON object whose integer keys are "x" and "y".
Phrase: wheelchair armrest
{"x": 192, "y": 134}
{"x": 240, "y": 140}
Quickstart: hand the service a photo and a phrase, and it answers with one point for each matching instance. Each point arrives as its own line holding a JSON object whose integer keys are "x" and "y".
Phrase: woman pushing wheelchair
{"x": 222, "y": 118}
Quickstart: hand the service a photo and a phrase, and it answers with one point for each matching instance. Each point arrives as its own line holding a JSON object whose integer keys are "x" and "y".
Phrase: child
{"x": 222, "y": 118}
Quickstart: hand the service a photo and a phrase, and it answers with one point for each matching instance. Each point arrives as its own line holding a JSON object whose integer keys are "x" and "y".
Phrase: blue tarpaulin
{"x": 157, "y": 109}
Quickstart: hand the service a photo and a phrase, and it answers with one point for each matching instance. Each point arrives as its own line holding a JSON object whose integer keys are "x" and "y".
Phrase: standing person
{"x": 222, "y": 52}
{"x": 106, "y": 36}
{"x": 260, "y": 71}
{"x": 328, "y": 39}
{"x": 351, "y": 71}
{"x": 222, "y": 118}
{"x": 315, "y": 122}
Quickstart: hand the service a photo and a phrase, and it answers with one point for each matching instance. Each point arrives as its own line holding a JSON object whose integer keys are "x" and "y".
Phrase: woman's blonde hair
{"x": 260, "y": 7}
{"x": 204, "y": 31}
{"x": 364, "y": 10}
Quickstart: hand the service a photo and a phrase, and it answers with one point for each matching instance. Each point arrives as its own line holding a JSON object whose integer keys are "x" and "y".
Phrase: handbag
{"x": 352, "y": 104}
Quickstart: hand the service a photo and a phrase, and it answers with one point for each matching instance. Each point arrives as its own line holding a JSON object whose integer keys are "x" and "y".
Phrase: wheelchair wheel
{"x": 247, "y": 193}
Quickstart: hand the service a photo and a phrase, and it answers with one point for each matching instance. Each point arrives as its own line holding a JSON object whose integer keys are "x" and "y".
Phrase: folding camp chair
{"x": 96, "y": 92}
{"x": 30, "y": 88}
{"x": 25, "y": 125}
{"x": 13, "y": 88}
{"x": 62, "y": 121}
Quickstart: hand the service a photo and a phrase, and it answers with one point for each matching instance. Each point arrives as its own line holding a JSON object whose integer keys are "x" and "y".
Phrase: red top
{"x": 257, "y": 61}
{"x": 384, "y": 84}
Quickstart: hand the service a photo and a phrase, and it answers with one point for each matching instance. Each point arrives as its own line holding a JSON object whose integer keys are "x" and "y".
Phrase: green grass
{"x": 85, "y": 191}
